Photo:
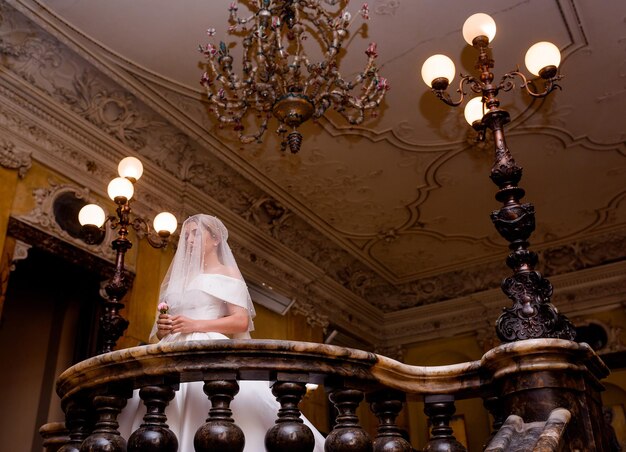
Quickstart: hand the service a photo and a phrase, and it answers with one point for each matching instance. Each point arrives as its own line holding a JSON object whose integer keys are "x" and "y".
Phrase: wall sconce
{"x": 532, "y": 314}
{"x": 93, "y": 218}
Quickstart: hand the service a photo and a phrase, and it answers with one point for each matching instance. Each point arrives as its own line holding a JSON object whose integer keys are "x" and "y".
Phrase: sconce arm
{"x": 549, "y": 83}
{"x": 143, "y": 229}
{"x": 474, "y": 84}
{"x": 92, "y": 234}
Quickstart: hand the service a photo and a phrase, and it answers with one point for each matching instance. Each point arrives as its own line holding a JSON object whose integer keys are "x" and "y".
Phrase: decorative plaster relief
{"x": 14, "y": 159}
{"x": 386, "y": 7}
{"x": 313, "y": 317}
{"x": 114, "y": 112}
{"x": 20, "y": 252}
{"x": 43, "y": 217}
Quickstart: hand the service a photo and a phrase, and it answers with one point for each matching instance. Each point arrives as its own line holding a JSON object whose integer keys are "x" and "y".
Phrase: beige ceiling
{"x": 397, "y": 210}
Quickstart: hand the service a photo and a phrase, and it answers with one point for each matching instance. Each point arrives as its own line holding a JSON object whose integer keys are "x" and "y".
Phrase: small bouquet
{"x": 163, "y": 308}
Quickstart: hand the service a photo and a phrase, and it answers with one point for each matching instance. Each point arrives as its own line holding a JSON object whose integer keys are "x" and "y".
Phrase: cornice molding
{"x": 577, "y": 294}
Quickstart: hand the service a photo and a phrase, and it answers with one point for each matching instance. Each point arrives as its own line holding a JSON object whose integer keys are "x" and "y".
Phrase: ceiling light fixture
{"x": 532, "y": 314}
{"x": 279, "y": 76}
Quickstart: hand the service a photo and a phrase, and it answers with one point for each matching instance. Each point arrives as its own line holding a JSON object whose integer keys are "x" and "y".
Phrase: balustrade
{"x": 528, "y": 380}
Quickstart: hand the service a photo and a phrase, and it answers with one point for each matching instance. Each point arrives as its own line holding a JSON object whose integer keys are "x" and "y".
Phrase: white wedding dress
{"x": 254, "y": 407}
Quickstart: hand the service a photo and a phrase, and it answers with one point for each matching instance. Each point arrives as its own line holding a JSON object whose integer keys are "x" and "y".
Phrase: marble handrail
{"x": 262, "y": 359}
{"x": 528, "y": 379}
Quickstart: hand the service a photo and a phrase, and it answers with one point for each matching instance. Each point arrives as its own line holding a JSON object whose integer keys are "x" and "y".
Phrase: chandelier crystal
{"x": 279, "y": 78}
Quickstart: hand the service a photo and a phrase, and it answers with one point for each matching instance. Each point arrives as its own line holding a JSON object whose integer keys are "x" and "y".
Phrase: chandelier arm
{"x": 370, "y": 88}
{"x": 249, "y": 138}
{"x": 549, "y": 84}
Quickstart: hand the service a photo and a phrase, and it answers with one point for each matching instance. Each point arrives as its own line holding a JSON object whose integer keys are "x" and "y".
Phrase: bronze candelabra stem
{"x": 93, "y": 218}
{"x": 112, "y": 324}
{"x": 532, "y": 314}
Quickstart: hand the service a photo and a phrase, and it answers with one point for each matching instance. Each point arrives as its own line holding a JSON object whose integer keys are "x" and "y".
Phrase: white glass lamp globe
{"x": 91, "y": 214}
{"x": 120, "y": 187}
{"x": 437, "y": 66}
{"x": 131, "y": 168}
{"x": 479, "y": 24}
{"x": 541, "y": 55}
{"x": 474, "y": 110}
{"x": 165, "y": 222}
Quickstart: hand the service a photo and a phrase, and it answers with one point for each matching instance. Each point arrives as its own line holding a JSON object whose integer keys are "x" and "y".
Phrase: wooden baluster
{"x": 289, "y": 433}
{"x": 220, "y": 433}
{"x": 78, "y": 422}
{"x": 54, "y": 435}
{"x": 347, "y": 434}
{"x": 154, "y": 434}
{"x": 386, "y": 405}
{"x": 105, "y": 436}
{"x": 494, "y": 406}
{"x": 439, "y": 409}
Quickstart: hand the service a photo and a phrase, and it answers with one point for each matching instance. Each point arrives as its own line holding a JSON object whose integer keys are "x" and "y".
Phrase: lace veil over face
{"x": 202, "y": 249}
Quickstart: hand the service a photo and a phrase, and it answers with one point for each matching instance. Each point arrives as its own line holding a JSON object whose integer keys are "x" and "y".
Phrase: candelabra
{"x": 279, "y": 78}
{"x": 93, "y": 218}
{"x": 532, "y": 314}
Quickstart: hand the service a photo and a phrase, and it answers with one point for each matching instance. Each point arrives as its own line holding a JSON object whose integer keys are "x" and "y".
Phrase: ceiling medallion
{"x": 278, "y": 76}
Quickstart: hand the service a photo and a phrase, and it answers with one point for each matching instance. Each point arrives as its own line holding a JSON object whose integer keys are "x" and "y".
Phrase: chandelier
{"x": 278, "y": 76}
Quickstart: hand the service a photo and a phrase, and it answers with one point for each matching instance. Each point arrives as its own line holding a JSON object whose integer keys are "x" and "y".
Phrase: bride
{"x": 203, "y": 296}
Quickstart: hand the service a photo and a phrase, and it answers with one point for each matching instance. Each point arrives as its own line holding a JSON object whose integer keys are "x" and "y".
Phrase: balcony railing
{"x": 541, "y": 392}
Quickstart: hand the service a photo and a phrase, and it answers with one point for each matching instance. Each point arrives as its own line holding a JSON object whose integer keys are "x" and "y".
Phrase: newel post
{"x": 537, "y": 376}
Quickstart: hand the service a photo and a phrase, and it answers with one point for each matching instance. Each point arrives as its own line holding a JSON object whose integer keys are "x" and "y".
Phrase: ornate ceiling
{"x": 373, "y": 228}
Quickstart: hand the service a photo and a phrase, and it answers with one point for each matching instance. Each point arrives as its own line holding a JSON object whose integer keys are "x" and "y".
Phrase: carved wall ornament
{"x": 313, "y": 317}
{"x": 388, "y": 236}
{"x": 114, "y": 112}
{"x": 355, "y": 280}
{"x": 30, "y": 56}
{"x": 43, "y": 217}
{"x": 267, "y": 214}
{"x": 14, "y": 159}
{"x": 20, "y": 252}
{"x": 386, "y": 7}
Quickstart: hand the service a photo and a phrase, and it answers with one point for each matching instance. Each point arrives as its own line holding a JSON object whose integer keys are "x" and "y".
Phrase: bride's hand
{"x": 182, "y": 324}
{"x": 164, "y": 325}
